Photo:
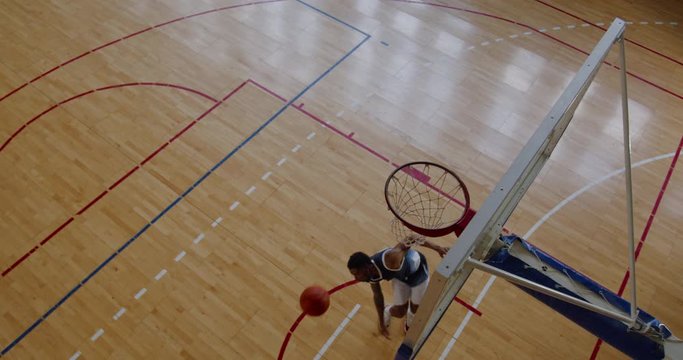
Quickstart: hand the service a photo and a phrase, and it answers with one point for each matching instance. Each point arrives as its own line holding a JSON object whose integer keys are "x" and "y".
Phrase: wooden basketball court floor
{"x": 175, "y": 173}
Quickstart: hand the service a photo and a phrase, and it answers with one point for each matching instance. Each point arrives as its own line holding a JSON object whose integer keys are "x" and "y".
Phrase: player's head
{"x": 359, "y": 265}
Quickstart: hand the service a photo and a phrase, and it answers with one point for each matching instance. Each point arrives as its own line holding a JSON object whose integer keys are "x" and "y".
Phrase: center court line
{"x": 550, "y": 213}
{"x": 42, "y": 318}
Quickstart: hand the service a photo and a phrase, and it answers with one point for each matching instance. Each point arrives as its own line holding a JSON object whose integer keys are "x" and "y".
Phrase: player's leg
{"x": 400, "y": 305}
{"x": 416, "y": 294}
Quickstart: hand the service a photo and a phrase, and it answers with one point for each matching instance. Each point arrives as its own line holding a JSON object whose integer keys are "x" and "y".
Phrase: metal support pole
{"x": 546, "y": 290}
{"x": 629, "y": 191}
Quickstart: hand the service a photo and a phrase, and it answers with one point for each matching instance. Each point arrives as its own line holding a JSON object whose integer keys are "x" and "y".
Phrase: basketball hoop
{"x": 428, "y": 199}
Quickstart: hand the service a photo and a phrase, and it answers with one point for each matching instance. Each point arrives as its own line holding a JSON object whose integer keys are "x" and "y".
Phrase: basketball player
{"x": 409, "y": 274}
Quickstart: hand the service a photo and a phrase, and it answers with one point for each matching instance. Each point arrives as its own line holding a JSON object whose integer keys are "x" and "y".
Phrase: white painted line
{"x": 556, "y": 28}
{"x": 533, "y": 229}
{"x": 266, "y": 176}
{"x": 296, "y": 148}
{"x": 470, "y": 48}
{"x": 119, "y": 313}
{"x": 659, "y": 22}
{"x": 571, "y": 26}
{"x": 340, "y": 328}
{"x": 216, "y": 222}
{"x": 585, "y": 25}
{"x": 499, "y": 40}
{"x": 180, "y": 256}
{"x": 542, "y": 30}
{"x": 513, "y": 36}
{"x": 97, "y": 334}
{"x": 161, "y": 274}
{"x": 234, "y": 205}
{"x": 464, "y": 322}
{"x": 282, "y": 161}
{"x": 75, "y": 356}
{"x": 339, "y": 114}
{"x": 199, "y": 238}
{"x": 673, "y": 23}
{"x": 599, "y": 24}
{"x": 251, "y": 190}
{"x": 528, "y": 33}
{"x": 310, "y": 136}
{"x": 643, "y": 23}
{"x": 140, "y": 293}
{"x": 485, "y": 43}
{"x": 629, "y": 23}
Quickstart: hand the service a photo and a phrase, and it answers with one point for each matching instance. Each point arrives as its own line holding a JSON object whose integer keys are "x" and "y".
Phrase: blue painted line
{"x": 335, "y": 18}
{"x": 231, "y": 153}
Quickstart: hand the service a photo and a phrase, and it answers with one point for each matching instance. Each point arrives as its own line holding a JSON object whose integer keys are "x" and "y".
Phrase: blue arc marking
{"x": 191, "y": 188}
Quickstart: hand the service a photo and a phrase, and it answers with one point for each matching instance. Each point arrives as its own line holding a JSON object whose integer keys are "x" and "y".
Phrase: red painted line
{"x": 351, "y": 134}
{"x": 131, "y": 35}
{"x": 467, "y": 306}
{"x": 174, "y": 86}
{"x": 105, "y": 45}
{"x": 16, "y": 263}
{"x": 91, "y": 203}
{"x": 602, "y": 28}
{"x": 670, "y": 92}
{"x": 13, "y": 91}
{"x": 41, "y": 114}
{"x": 646, "y": 231}
{"x": 119, "y": 181}
{"x": 267, "y": 90}
{"x": 332, "y": 291}
{"x": 163, "y": 146}
{"x": 56, "y": 231}
{"x": 202, "y": 13}
{"x": 179, "y": 134}
{"x": 289, "y": 335}
{"x": 105, "y": 192}
{"x": 44, "y": 74}
{"x": 75, "y": 97}
{"x": 234, "y": 91}
{"x": 76, "y": 58}
{"x": 342, "y": 286}
{"x": 137, "y": 33}
{"x": 169, "y": 22}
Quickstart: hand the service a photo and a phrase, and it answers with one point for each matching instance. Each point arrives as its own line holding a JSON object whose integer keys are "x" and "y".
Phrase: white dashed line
{"x": 556, "y": 28}
{"x": 216, "y": 222}
{"x": 499, "y": 39}
{"x": 282, "y": 161}
{"x": 296, "y": 148}
{"x": 180, "y": 256}
{"x": 266, "y": 176}
{"x": 140, "y": 293}
{"x": 599, "y": 24}
{"x": 542, "y": 30}
{"x": 234, "y": 205}
{"x": 528, "y": 33}
{"x": 97, "y": 334}
{"x": 585, "y": 25}
{"x": 571, "y": 26}
{"x": 75, "y": 356}
{"x": 659, "y": 22}
{"x": 119, "y": 313}
{"x": 513, "y": 36}
{"x": 643, "y": 23}
{"x": 339, "y": 114}
{"x": 251, "y": 190}
{"x": 160, "y": 274}
{"x": 310, "y": 136}
{"x": 198, "y": 239}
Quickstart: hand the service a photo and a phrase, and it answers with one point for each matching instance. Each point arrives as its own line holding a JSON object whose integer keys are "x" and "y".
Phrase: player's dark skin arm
{"x": 394, "y": 256}
{"x": 378, "y": 297}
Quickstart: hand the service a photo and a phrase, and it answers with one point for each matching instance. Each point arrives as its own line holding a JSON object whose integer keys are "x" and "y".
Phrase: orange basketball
{"x": 314, "y": 300}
